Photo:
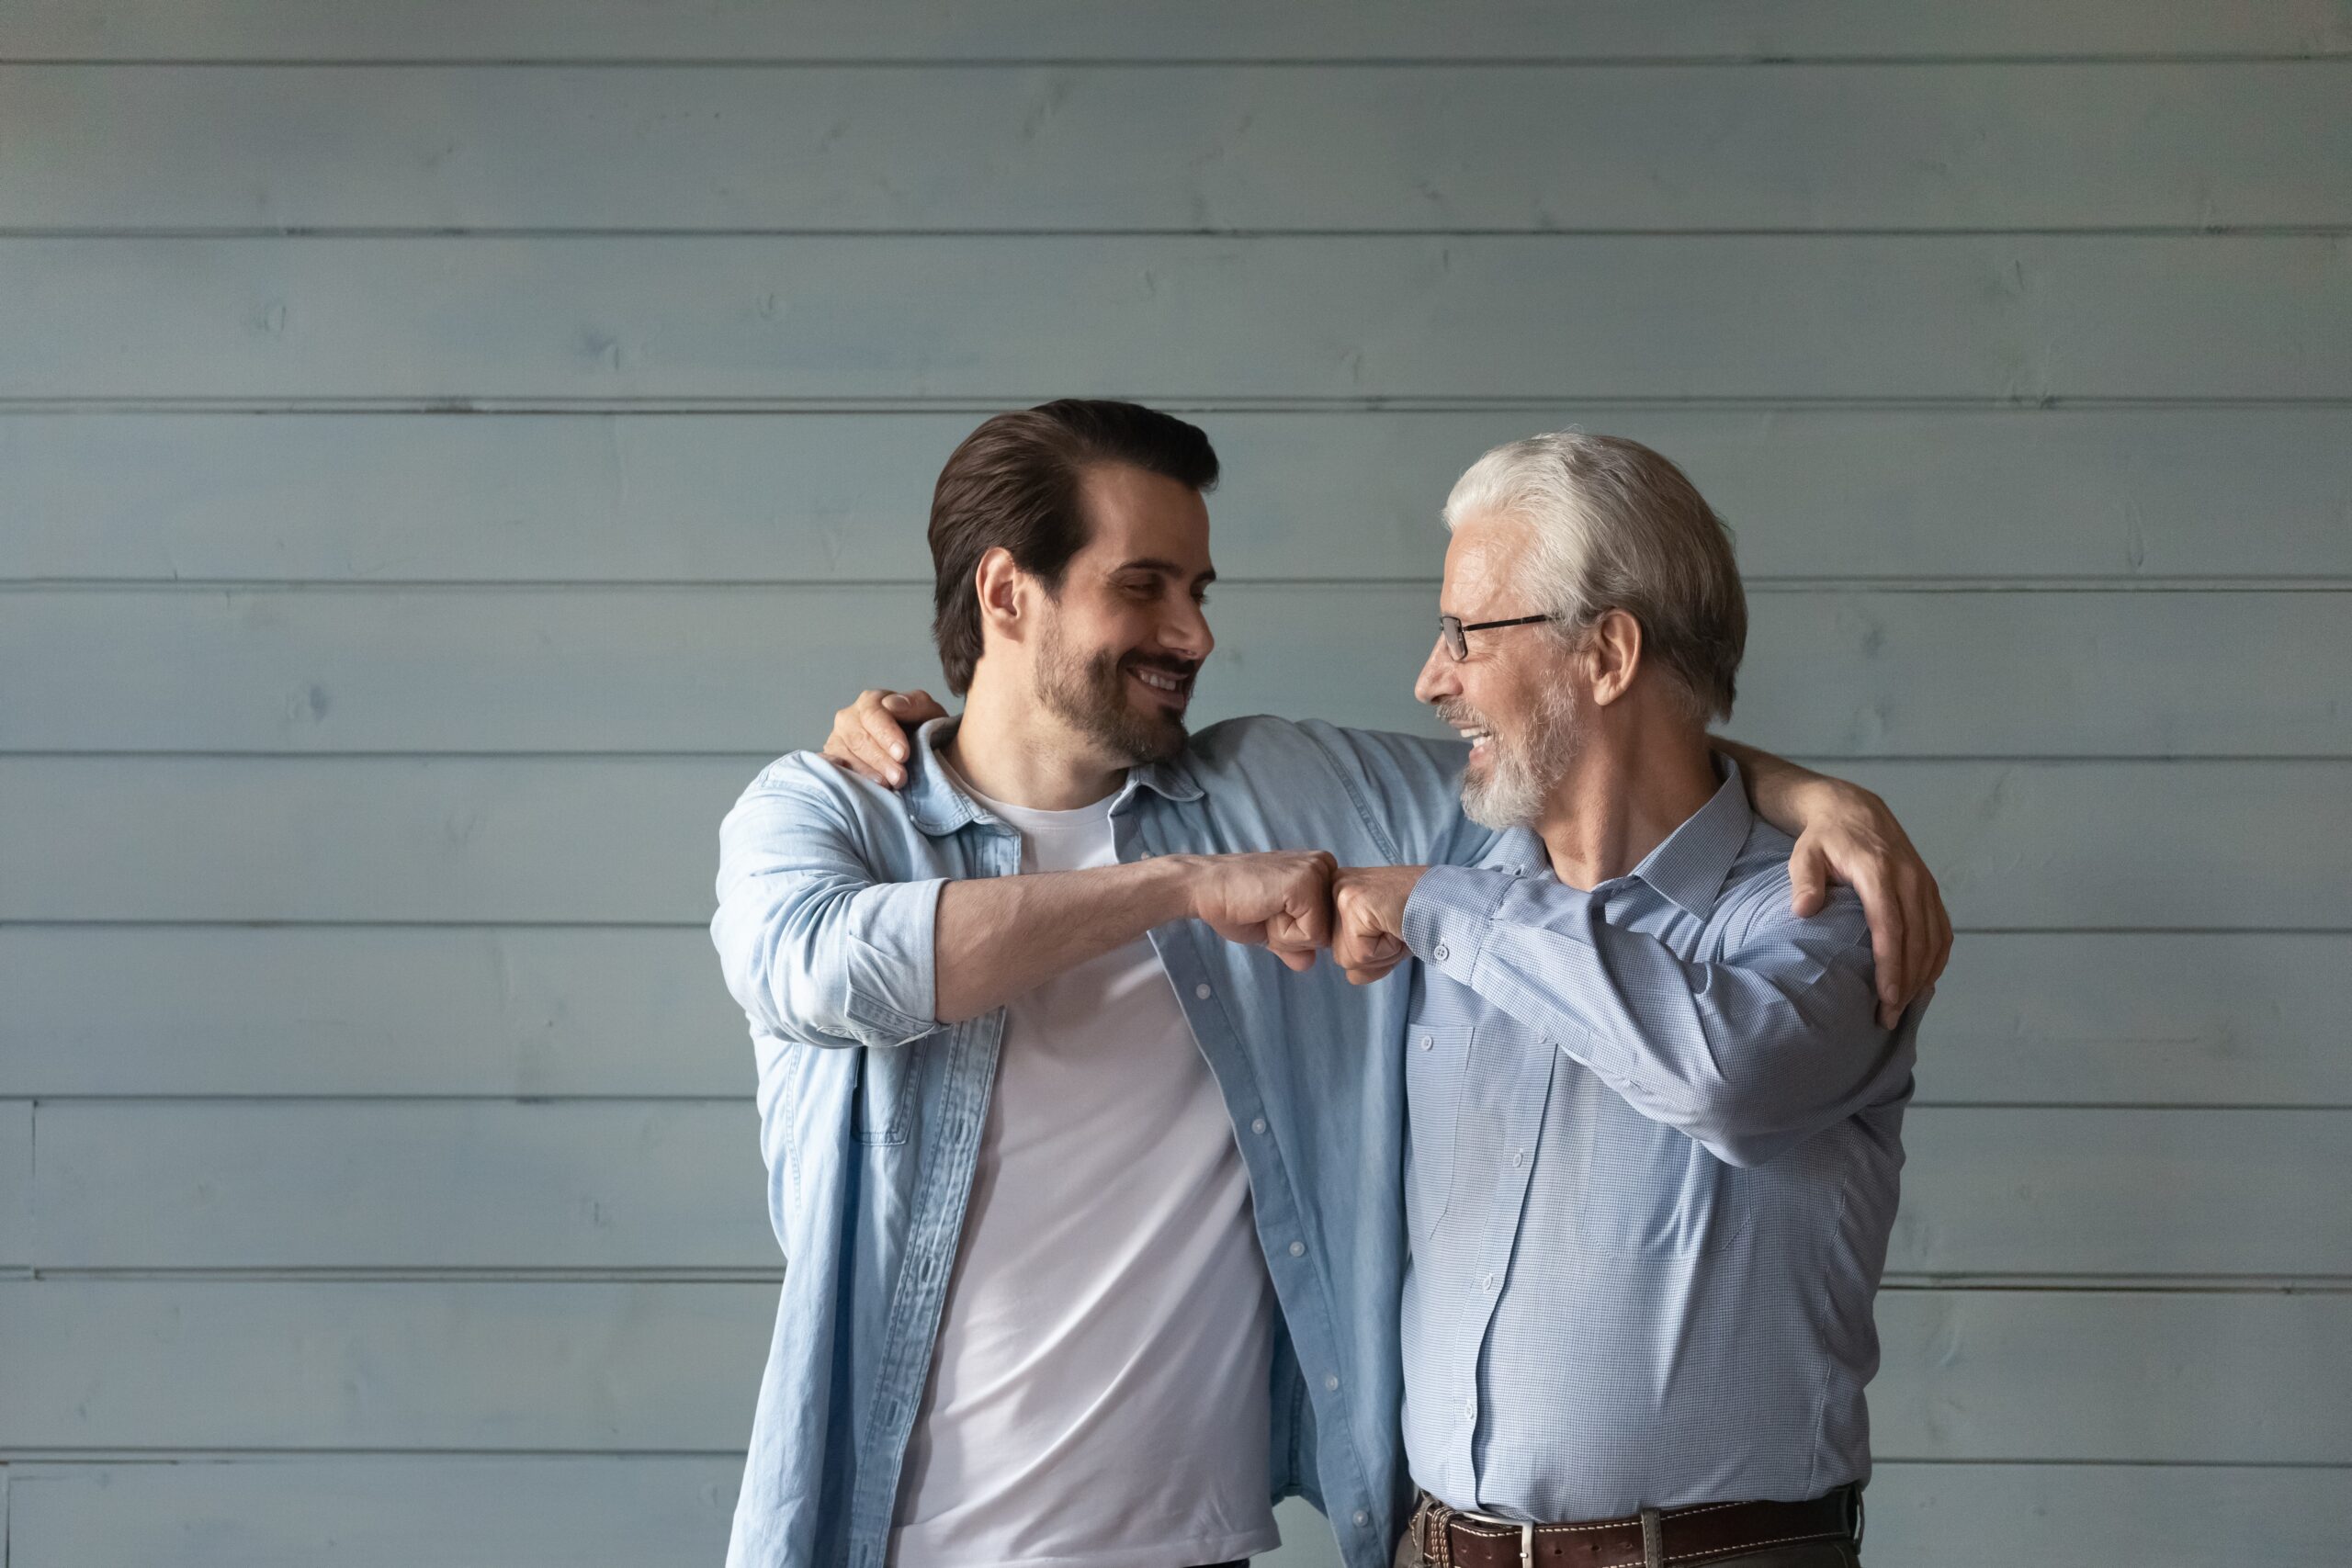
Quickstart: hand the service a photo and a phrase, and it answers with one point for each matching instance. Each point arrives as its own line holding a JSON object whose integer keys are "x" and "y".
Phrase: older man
{"x": 1656, "y": 1125}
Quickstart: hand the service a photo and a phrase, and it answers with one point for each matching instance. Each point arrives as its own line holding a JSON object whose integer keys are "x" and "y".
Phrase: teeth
{"x": 1164, "y": 683}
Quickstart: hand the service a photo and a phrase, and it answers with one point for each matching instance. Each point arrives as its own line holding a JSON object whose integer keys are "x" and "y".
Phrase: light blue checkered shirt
{"x": 1655, "y": 1132}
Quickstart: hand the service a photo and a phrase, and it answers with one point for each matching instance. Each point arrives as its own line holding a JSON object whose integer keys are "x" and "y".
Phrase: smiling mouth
{"x": 1173, "y": 690}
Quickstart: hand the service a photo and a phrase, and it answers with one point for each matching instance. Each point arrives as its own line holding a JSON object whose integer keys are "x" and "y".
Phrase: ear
{"x": 1002, "y": 587}
{"x": 1613, "y": 647}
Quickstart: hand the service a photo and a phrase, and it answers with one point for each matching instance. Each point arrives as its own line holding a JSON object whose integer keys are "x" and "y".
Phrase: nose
{"x": 1437, "y": 679}
{"x": 1186, "y": 633}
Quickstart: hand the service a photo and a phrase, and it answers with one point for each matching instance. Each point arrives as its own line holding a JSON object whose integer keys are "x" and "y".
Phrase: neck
{"x": 1626, "y": 791}
{"x": 1011, "y": 748}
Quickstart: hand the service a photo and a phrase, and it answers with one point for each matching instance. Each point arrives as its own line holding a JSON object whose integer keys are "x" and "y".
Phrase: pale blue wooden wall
{"x": 446, "y": 444}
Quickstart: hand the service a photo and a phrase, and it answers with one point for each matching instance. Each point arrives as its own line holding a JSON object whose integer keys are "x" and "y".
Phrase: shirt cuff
{"x": 891, "y": 959}
{"x": 1449, "y": 914}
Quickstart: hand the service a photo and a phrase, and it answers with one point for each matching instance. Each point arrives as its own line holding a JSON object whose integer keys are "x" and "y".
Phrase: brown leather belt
{"x": 1686, "y": 1538}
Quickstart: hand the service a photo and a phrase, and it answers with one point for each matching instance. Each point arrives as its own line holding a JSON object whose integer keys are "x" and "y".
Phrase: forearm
{"x": 1746, "y": 1057}
{"x": 1786, "y": 795}
{"x": 1002, "y": 936}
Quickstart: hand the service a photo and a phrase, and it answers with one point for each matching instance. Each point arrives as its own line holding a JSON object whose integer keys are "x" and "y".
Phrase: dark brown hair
{"x": 1014, "y": 483}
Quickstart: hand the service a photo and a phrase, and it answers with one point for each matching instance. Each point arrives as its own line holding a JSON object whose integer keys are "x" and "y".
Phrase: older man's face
{"x": 1515, "y": 697}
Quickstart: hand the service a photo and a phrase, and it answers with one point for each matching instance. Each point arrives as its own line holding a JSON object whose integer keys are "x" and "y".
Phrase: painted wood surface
{"x": 15, "y": 1182}
{"x": 2057, "y": 1018}
{"x": 1830, "y": 674}
{"x": 383, "y": 1511}
{"x": 1173, "y": 318}
{"x": 1181, "y": 148}
{"x": 2142, "y": 495}
{"x": 677, "y": 1186}
{"x": 2016, "y": 845}
{"x": 101, "y": 1365}
{"x": 587, "y": 398}
{"x": 702, "y": 31}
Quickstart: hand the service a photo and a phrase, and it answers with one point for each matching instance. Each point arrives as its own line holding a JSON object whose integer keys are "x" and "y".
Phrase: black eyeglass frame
{"x": 1458, "y": 644}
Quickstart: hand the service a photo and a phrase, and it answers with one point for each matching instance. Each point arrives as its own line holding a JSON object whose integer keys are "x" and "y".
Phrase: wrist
{"x": 1821, "y": 798}
{"x": 1174, "y": 886}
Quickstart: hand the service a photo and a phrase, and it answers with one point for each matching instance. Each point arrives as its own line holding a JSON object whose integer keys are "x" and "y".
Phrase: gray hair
{"x": 1616, "y": 526}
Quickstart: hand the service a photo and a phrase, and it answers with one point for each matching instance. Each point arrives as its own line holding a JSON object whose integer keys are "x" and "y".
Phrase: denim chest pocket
{"x": 888, "y": 1078}
{"x": 1436, "y": 1060}
{"x": 1650, "y": 1191}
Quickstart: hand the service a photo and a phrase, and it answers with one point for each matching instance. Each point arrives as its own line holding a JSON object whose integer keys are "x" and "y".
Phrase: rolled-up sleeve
{"x": 813, "y": 945}
{"x": 1748, "y": 1055}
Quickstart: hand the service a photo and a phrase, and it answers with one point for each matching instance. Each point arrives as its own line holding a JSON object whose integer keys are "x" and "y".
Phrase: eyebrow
{"x": 1165, "y": 568}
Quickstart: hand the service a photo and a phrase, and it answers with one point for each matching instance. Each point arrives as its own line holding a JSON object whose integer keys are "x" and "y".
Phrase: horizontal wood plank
{"x": 1829, "y": 673}
{"x": 2045, "y": 1018}
{"x": 419, "y": 1512}
{"x": 2010, "y": 319}
{"x": 424, "y": 1185}
{"x": 117, "y": 1185}
{"x": 2016, "y": 845}
{"x": 368, "y": 1010}
{"x": 2014, "y": 1191}
{"x": 213, "y": 1364}
{"x": 17, "y": 1181}
{"x": 86, "y": 1364}
{"x": 1821, "y": 493}
{"x": 2140, "y": 1018}
{"x": 1153, "y": 30}
{"x": 1182, "y": 148}
{"x": 377, "y": 1512}
{"x": 2157, "y": 1018}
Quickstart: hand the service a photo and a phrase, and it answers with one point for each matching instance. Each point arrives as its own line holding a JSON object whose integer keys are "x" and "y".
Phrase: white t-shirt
{"x": 1098, "y": 1396}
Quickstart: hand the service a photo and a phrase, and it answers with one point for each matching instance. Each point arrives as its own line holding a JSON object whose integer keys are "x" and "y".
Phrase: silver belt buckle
{"x": 1526, "y": 1529}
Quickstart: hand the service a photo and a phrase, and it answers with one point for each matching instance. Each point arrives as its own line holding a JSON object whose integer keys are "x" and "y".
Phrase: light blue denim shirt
{"x": 1655, "y": 1132}
{"x": 871, "y": 1110}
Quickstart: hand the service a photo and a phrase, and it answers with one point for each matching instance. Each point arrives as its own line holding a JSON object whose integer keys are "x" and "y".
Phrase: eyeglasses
{"x": 1459, "y": 645}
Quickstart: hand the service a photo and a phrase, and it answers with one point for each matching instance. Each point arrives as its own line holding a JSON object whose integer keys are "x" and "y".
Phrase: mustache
{"x": 1182, "y": 669}
{"x": 1461, "y": 715}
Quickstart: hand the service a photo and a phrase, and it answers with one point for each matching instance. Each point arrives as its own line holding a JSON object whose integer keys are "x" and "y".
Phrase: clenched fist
{"x": 1280, "y": 900}
{"x": 1368, "y": 918}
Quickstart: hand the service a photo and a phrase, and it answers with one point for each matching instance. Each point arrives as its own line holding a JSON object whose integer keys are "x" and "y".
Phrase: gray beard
{"x": 1090, "y": 697}
{"x": 1518, "y": 780}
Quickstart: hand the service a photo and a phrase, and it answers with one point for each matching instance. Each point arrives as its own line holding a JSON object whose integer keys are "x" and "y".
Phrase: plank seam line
{"x": 362, "y": 1098}
{"x": 172, "y": 1456}
{"x": 327, "y": 231}
{"x": 694, "y": 405}
{"x": 692, "y": 754}
{"x": 1762, "y": 583}
{"x": 139, "y": 922}
{"x": 1715, "y": 59}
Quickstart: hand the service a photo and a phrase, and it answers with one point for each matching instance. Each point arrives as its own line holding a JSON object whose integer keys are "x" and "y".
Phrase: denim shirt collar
{"x": 938, "y": 806}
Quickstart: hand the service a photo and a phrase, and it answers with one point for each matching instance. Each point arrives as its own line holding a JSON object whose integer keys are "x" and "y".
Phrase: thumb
{"x": 1808, "y": 881}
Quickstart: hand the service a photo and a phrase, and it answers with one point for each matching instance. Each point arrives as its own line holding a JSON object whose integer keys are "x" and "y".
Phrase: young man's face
{"x": 1120, "y": 644}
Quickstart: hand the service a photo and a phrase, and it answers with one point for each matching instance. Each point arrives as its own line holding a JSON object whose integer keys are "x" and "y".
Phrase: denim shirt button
{"x": 1298, "y": 1249}
{"x": 1202, "y": 990}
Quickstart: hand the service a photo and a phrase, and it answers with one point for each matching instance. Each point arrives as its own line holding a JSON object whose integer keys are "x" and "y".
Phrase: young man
{"x": 1093, "y": 1208}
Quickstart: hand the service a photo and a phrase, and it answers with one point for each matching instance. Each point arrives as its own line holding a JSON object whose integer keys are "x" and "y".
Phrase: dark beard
{"x": 1090, "y": 697}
